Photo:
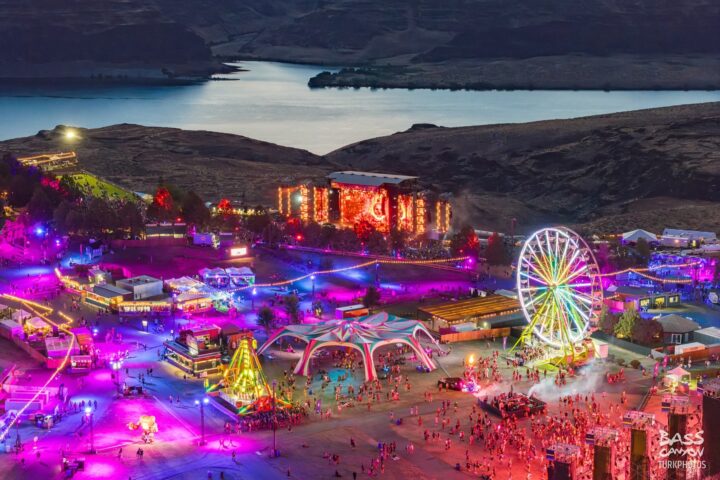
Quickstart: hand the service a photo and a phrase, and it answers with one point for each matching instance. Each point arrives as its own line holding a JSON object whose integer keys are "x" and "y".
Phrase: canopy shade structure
{"x": 364, "y": 334}
{"x": 634, "y": 235}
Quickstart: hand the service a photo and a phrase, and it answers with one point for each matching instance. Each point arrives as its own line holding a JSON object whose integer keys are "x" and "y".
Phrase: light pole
{"x": 274, "y": 450}
{"x": 202, "y": 418}
{"x": 117, "y": 366}
{"x": 312, "y": 277}
{"x": 18, "y": 442}
{"x": 252, "y": 298}
{"x": 89, "y": 414}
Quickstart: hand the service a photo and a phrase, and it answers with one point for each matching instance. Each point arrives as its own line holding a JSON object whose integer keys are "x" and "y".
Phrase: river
{"x": 271, "y": 101}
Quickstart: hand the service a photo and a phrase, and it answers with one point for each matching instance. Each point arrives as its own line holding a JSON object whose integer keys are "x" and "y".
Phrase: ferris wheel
{"x": 559, "y": 288}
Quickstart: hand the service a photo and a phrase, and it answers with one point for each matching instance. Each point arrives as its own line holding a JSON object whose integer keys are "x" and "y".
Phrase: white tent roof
{"x": 635, "y": 235}
{"x": 242, "y": 271}
{"x": 678, "y": 372}
{"x": 184, "y": 283}
{"x": 213, "y": 272}
{"x": 19, "y": 315}
{"x": 37, "y": 322}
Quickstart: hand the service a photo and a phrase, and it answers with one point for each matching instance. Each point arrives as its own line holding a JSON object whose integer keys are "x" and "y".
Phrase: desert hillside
{"x": 215, "y": 165}
{"x": 579, "y": 170}
{"x": 642, "y": 169}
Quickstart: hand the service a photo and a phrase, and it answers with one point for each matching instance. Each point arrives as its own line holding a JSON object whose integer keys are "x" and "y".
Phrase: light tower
{"x": 710, "y": 390}
{"x": 639, "y": 423}
{"x": 678, "y": 409}
{"x": 563, "y": 459}
{"x": 602, "y": 439}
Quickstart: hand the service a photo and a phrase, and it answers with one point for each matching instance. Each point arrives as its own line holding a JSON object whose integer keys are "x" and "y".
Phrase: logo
{"x": 686, "y": 451}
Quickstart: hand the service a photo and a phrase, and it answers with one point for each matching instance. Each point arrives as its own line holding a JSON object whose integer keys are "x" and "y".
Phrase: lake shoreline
{"x": 272, "y": 102}
{"x": 575, "y": 73}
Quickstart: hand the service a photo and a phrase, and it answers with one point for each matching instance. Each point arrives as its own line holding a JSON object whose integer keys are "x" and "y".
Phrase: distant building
{"x": 492, "y": 311}
{"x": 142, "y": 286}
{"x": 171, "y": 230}
{"x": 707, "y": 336}
{"x": 618, "y": 298}
{"x": 677, "y": 329}
{"x": 51, "y": 162}
{"x": 196, "y": 350}
{"x": 678, "y": 238}
{"x": 387, "y": 202}
{"x": 107, "y": 296}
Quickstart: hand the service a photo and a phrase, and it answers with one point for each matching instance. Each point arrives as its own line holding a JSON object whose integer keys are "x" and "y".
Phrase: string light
{"x": 649, "y": 269}
{"x": 29, "y": 305}
{"x": 664, "y": 280}
{"x": 27, "y": 302}
{"x": 352, "y": 267}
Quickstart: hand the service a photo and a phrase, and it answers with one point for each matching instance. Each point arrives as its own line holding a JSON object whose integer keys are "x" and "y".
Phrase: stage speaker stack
{"x": 677, "y": 424}
{"x": 678, "y": 408}
{"x": 711, "y": 427}
{"x": 602, "y": 440}
{"x": 563, "y": 458}
{"x": 638, "y": 455}
{"x": 638, "y": 422}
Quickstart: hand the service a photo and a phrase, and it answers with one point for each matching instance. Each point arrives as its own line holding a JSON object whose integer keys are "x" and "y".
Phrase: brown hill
{"x": 213, "y": 164}
{"x": 579, "y": 170}
{"x": 643, "y": 169}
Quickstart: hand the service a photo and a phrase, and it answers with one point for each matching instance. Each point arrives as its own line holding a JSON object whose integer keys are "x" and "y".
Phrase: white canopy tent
{"x": 634, "y": 235}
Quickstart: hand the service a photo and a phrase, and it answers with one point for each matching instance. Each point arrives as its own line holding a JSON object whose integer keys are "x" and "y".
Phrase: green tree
{"x": 292, "y": 307}
{"x": 74, "y": 220}
{"x": 371, "y": 298}
{"x": 329, "y": 232}
{"x": 100, "y": 217}
{"x": 346, "y": 240}
{"x": 624, "y": 326}
{"x": 163, "y": 206}
{"x": 60, "y": 214}
{"x": 193, "y": 210}
{"x": 642, "y": 249}
{"x": 266, "y": 318}
{"x": 465, "y": 242}
{"x": 376, "y": 243}
{"x": 130, "y": 218}
{"x": 70, "y": 187}
{"x": 495, "y": 253}
{"x": 607, "y": 321}
{"x": 40, "y": 208}
{"x": 647, "y": 332}
{"x": 398, "y": 240}
{"x": 258, "y": 223}
{"x": 313, "y": 234}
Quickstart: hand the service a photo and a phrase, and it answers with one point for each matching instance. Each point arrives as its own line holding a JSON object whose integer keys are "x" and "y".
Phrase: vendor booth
{"x": 145, "y": 307}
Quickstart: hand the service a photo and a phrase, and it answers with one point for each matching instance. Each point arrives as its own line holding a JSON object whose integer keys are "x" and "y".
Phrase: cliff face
{"x": 643, "y": 169}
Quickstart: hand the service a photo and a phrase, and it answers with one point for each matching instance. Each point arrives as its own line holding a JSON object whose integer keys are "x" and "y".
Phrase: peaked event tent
{"x": 634, "y": 235}
{"x": 365, "y": 334}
